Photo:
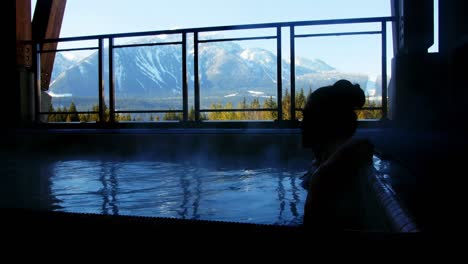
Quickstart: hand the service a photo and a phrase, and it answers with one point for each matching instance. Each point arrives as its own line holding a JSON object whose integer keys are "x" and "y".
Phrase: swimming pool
{"x": 249, "y": 178}
{"x": 246, "y": 176}
{"x": 179, "y": 190}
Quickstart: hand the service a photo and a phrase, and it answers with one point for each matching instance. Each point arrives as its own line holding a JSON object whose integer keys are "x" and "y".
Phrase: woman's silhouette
{"x": 334, "y": 188}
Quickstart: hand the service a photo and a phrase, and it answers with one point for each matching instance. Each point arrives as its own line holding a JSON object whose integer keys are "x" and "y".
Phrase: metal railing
{"x": 292, "y": 26}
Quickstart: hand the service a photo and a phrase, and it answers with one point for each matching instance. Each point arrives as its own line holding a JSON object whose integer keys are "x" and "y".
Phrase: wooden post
{"x": 47, "y": 22}
{"x": 23, "y": 33}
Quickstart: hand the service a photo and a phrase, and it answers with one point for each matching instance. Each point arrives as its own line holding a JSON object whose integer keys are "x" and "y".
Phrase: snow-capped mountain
{"x": 317, "y": 65}
{"x": 225, "y": 68}
{"x": 61, "y": 63}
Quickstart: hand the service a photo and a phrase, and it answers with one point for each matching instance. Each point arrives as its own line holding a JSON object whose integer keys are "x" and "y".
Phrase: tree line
{"x": 250, "y": 111}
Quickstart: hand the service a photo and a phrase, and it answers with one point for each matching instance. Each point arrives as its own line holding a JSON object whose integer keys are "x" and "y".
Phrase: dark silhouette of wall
{"x": 458, "y": 69}
{"x": 417, "y": 25}
{"x": 454, "y": 47}
{"x": 453, "y": 21}
{"x": 9, "y": 105}
{"x": 426, "y": 90}
{"x": 428, "y": 99}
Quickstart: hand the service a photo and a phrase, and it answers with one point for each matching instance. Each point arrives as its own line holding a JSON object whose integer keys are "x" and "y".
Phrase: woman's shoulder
{"x": 353, "y": 152}
{"x": 350, "y": 158}
{"x": 353, "y": 155}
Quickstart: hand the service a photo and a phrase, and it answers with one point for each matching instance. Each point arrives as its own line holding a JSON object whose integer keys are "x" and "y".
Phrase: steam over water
{"x": 266, "y": 195}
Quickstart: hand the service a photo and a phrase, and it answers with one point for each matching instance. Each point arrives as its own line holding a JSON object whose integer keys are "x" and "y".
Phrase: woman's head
{"x": 329, "y": 113}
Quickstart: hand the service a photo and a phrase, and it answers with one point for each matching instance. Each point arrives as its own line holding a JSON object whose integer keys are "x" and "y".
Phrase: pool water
{"x": 270, "y": 195}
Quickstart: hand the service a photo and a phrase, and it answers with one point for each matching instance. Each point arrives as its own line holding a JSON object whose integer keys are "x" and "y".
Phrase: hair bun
{"x": 351, "y": 94}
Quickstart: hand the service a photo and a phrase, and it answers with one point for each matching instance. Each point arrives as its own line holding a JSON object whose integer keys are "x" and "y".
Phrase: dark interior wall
{"x": 458, "y": 73}
{"x": 429, "y": 90}
{"x": 420, "y": 99}
{"x": 454, "y": 46}
{"x": 428, "y": 102}
{"x": 453, "y": 21}
{"x": 10, "y": 93}
{"x": 417, "y": 95}
{"x": 418, "y": 25}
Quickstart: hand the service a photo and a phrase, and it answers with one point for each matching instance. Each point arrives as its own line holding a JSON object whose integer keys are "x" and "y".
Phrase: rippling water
{"x": 178, "y": 190}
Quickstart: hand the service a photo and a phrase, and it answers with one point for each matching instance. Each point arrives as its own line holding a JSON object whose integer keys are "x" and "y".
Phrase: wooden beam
{"x": 47, "y": 22}
{"x": 23, "y": 33}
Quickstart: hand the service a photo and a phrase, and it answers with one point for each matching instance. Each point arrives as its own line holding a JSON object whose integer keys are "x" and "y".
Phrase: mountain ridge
{"x": 225, "y": 68}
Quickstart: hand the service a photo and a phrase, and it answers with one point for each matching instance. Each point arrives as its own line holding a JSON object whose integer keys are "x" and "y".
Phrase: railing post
{"x": 111, "y": 82}
{"x": 384, "y": 70}
{"x": 279, "y": 83}
{"x": 184, "y": 77}
{"x": 197, "y": 78}
{"x": 293, "y": 73}
{"x": 101, "y": 79}
{"x": 37, "y": 82}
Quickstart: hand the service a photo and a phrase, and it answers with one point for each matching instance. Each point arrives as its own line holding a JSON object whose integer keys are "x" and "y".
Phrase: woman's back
{"x": 335, "y": 199}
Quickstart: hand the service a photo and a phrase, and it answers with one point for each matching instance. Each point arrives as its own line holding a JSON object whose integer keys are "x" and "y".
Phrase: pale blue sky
{"x": 88, "y": 17}
{"x": 350, "y": 54}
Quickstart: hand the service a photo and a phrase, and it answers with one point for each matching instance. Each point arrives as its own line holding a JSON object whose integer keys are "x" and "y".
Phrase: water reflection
{"x": 163, "y": 189}
{"x": 196, "y": 203}
{"x": 281, "y": 195}
{"x": 296, "y": 200}
{"x": 185, "y": 186}
{"x": 109, "y": 189}
{"x": 294, "y": 215}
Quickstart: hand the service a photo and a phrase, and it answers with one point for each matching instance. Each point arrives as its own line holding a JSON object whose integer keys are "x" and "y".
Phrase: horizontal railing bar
{"x": 370, "y": 108}
{"x": 67, "y": 113}
{"x": 148, "y": 44}
{"x": 147, "y": 111}
{"x": 362, "y": 108}
{"x": 72, "y": 49}
{"x": 238, "y": 110}
{"x": 298, "y": 23}
{"x": 236, "y": 39}
{"x": 222, "y": 28}
{"x": 179, "y": 111}
{"x": 226, "y": 126}
{"x": 338, "y": 34}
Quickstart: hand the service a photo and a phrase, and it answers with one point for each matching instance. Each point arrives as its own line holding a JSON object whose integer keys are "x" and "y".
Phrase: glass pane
{"x": 148, "y": 78}
{"x": 73, "y": 87}
{"x": 321, "y": 61}
{"x": 237, "y": 72}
